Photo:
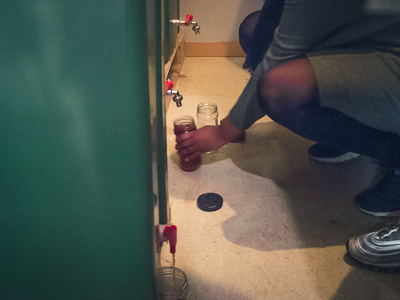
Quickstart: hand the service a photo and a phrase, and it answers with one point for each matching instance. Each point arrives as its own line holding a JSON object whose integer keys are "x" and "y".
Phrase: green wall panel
{"x": 76, "y": 192}
{"x": 160, "y": 45}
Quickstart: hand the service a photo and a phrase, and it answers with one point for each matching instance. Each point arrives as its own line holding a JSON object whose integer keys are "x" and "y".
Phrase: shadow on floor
{"x": 214, "y": 290}
{"x": 361, "y": 283}
{"x": 303, "y": 204}
{"x": 307, "y": 204}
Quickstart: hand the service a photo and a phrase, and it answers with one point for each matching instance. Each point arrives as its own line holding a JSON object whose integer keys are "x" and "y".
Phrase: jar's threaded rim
{"x": 207, "y": 106}
{"x": 185, "y": 119}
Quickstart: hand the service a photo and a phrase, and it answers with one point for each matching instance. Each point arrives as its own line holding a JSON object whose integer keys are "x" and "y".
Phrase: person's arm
{"x": 247, "y": 109}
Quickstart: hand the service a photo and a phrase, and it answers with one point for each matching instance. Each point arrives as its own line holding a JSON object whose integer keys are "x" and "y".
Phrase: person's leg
{"x": 269, "y": 19}
{"x": 289, "y": 96}
{"x": 256, "y": 32}
{"x": 246, "y": 32}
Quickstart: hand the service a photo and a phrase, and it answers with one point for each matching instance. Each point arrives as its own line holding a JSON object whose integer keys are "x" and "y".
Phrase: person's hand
{"x": 208, "y": 138}
{"x": 193, "y": 144}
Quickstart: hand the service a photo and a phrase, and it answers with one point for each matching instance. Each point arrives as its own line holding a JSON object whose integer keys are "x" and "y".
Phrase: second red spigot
{"x": 188, "y": 20}
{"x": 170, "y": 234}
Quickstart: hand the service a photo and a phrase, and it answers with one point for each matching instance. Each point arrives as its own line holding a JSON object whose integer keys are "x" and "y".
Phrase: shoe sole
{"x": 338, "y": 159}
{"x": 391, "y": 214}
{"x": 378, "y": 268}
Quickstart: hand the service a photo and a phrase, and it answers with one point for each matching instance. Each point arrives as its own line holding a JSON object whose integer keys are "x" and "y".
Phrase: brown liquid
{"x": 186, "y": 164}
{"x": 182, "y": 128}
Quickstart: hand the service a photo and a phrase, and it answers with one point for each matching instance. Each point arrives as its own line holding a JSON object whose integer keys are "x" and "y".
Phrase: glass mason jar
{"x": 173, "y": 284}
{"x": 207, "y": 114}
{"x": 184, "y": 124}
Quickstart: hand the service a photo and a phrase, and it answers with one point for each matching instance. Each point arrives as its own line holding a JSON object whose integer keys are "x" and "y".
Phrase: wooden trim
{"x": 173, "y": 68}
{"x": 224, "y": 49}
{"x": 171, "y": 60}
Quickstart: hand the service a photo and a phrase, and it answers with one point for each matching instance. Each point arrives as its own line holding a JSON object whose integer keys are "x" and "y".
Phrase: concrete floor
{"x": 282, "y": 229}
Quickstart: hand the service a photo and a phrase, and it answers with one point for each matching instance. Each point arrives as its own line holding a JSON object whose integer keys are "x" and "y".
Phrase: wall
{"x": 219, "y": 19}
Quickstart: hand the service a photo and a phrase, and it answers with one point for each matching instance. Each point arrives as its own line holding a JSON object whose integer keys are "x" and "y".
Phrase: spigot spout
{"x": 196, "y": 28}
{"x": 169, "y": 91}
{"x": 169, "y": 233}
{"x": 178, "y": 99}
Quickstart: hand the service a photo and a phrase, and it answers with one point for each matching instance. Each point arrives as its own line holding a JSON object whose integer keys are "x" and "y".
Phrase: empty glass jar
{"x": 207, "y": 114}
{"x": 174, "y": 284}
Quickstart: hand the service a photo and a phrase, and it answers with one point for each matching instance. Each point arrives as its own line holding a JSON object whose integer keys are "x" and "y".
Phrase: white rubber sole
{"x": 338, "y": 159}
{"x": 392, "y": 214}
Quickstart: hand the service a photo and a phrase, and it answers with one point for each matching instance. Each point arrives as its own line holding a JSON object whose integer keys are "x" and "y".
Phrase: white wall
{"x": 219, "y": 19}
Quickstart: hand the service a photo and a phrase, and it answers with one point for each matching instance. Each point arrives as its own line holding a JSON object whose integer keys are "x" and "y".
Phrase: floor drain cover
{"x": 209, "y": 202}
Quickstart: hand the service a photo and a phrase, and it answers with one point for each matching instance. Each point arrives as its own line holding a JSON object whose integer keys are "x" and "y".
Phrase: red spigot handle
{"x": 189, "y": 18}
{"x": 168, "y": 85}
{"x": 170, "y": 233}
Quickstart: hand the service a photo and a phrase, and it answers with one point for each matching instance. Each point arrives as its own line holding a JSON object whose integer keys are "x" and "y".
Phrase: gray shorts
{"x": 361, "y": 83}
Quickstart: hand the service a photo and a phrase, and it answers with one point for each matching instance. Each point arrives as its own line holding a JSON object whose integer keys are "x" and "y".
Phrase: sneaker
{"x": 378, "y": 250}
{"x": 328, "y": 154}
{"x": 383, "y": 199}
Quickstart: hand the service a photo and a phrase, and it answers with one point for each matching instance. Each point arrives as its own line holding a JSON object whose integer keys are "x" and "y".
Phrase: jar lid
{"x": 209, "y": 202}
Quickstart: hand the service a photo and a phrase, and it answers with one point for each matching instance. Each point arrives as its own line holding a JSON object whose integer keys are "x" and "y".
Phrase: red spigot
{"x": 169, "y": 91}
{"x": 188, "y": 20}
{"x": 168, "y": 85}
{"x": 170, "y": 233}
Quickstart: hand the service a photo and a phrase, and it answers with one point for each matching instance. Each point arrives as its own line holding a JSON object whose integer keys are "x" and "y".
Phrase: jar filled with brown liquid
{"x": 184, "y": 124}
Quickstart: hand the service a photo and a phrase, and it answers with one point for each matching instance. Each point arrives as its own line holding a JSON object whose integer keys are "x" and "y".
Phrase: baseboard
{"x": 224, "y": 49}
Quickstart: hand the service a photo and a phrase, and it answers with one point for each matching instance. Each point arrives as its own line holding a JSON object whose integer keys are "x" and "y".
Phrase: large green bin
{"x": 79, "y": 108}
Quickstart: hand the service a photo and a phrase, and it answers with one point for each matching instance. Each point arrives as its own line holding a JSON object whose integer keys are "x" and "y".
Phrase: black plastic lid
{"x": 209, "y": 202}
